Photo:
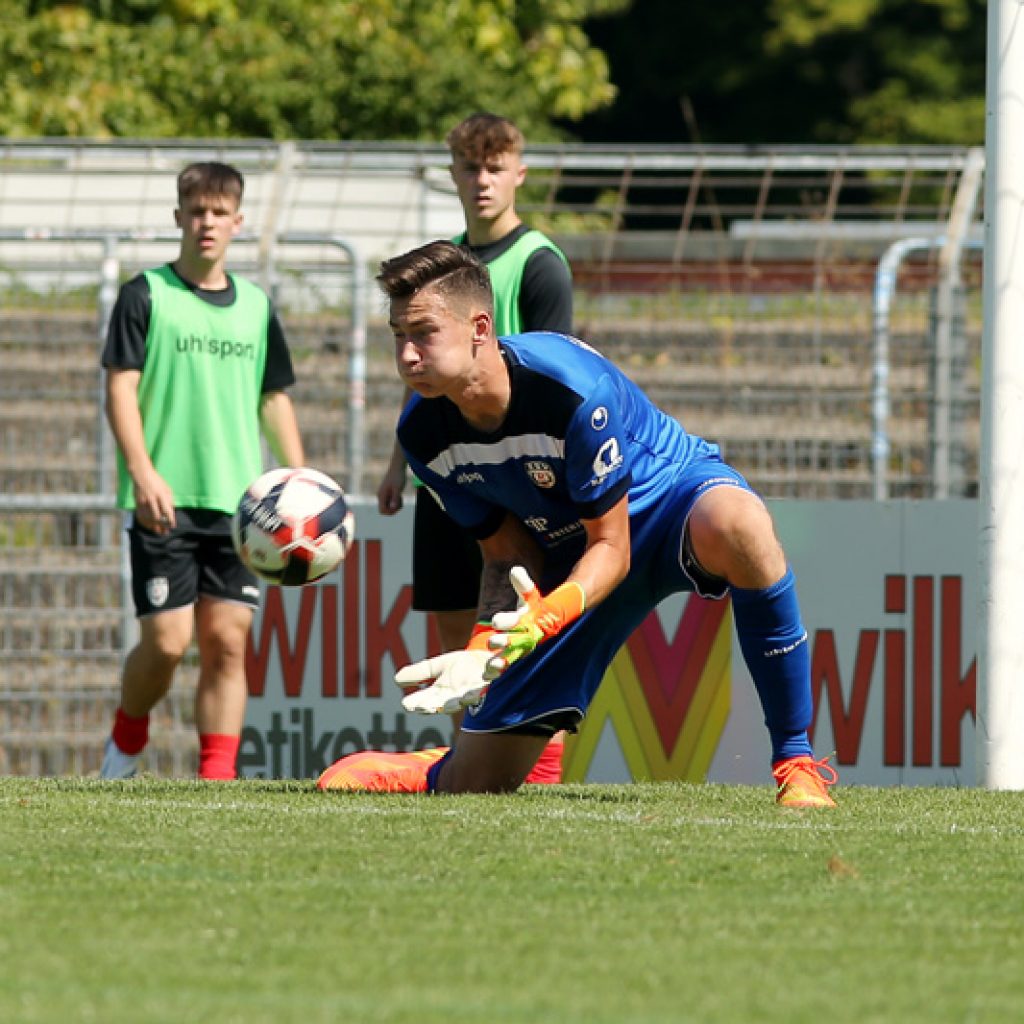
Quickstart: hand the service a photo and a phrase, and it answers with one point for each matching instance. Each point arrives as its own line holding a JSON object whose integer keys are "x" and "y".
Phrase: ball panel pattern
{"x": 293, "y": 526}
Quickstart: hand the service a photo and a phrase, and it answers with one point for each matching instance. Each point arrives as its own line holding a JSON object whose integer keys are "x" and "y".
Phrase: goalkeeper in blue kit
{"x": 590, "y": 506}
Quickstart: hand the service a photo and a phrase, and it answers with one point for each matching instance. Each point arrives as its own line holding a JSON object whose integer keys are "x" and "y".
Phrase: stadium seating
{"x": 789, "y": 405}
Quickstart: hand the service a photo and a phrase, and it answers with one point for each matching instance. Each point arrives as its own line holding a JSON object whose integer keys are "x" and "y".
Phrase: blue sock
{"x": 433, "y": 771}
{"x": 774, "y": 644}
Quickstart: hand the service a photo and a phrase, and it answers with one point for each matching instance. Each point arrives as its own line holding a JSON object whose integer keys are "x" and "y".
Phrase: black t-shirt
{"x": 545, "y": 295}
{"x": 125, "y": 348}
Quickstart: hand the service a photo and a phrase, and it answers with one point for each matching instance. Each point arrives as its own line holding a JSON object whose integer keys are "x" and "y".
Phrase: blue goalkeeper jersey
{"x": 578, "y": 436}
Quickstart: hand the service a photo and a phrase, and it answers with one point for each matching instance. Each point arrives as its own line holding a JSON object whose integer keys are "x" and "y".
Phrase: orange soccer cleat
{"x": 377, "y": 771}
{"x": 804, "y": 782}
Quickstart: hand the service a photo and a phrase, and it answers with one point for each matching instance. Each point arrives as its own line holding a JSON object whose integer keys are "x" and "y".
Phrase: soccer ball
{"x": 292, "y": 526}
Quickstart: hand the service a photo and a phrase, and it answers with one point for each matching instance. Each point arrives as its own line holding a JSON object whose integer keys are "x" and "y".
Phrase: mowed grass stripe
{"x": 158, "y": 901}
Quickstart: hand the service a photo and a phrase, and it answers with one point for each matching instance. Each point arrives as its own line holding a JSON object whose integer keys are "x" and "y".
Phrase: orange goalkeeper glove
{"x": 516, "y": 634}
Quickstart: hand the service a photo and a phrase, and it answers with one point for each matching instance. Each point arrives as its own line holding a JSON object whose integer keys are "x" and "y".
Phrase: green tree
{"x": 795, "y": 71}
{"x": 907, "y": 70}
{"x": 325, "y": 69}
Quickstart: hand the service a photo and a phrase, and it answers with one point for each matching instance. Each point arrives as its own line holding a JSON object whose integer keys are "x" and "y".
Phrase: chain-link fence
{"x": 816, "y": 312}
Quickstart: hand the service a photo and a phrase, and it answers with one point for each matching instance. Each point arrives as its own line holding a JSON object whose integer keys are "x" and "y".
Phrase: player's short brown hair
{"x": 210, "y": 178}
{"x": 453, "y": 271}
{"x": 484, "y": 135}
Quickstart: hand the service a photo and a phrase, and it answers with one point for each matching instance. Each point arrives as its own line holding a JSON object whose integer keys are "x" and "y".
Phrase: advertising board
{"x": 888, "y": 592}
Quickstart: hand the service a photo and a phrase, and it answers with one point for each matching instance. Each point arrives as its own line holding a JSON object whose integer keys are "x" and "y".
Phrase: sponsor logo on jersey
{"x": 157, "y": 590}
{"x": 470, "y": 478}
{"x": 599, "y": 418}
{"x": 564, "y": 532}
{"x": 542, "y": 525}
{"x": 222, "y": 348}
{"x": 541, "y": 473}
{"x": 608, "y": 458}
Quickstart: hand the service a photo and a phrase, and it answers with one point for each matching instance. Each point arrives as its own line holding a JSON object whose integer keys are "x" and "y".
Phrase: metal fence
{"x": 815, "y": 311}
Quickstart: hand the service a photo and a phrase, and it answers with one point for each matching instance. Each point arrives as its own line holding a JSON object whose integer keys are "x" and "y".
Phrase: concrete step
{"x": 800, "y": 382}
{"x": 35, "y": 674}
{"x": 60, "y": 728}
{"x": 65, "y": 477}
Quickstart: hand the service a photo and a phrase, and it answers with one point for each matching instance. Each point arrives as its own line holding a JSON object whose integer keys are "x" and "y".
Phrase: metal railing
{"x": 110, "y": 279}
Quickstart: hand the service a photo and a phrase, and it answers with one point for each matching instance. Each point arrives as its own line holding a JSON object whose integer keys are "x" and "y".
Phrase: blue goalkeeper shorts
{"x": 552, "y": 687}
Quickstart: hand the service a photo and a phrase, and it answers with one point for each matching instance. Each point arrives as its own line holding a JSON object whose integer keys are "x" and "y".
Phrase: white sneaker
{"x": 116, "y": 763}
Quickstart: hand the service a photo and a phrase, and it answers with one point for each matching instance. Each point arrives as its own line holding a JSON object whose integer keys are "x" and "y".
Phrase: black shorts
{"x": 446, "y": 560}
{"x": 196, "y": 558}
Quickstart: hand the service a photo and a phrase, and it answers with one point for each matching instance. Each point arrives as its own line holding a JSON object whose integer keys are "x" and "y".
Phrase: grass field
{"x": 154, "y": 901}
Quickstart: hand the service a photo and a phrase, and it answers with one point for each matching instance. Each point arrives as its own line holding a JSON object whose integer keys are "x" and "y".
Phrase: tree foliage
{"x": 323, "y": 69}
{"x": 801, "y": 71}
{"x": 746, "y": 71}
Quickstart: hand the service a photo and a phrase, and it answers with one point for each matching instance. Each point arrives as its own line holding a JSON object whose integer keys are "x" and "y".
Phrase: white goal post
{"x": 1000, "y": 721}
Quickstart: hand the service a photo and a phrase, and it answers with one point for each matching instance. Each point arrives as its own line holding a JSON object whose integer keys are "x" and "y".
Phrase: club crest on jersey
{"x": 157, "y": 590}
{"x": 541, "y": 473}
{"x": 599, "y": 418}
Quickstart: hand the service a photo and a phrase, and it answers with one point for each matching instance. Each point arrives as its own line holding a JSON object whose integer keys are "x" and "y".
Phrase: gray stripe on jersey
{"x": 521, "y": 446}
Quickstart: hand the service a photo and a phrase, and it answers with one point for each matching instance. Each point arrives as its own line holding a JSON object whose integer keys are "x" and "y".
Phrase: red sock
{"x": 217, "y": 755}
{"x": 130, "y": 734}
{"x": 548, "y": 769}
